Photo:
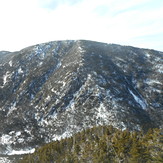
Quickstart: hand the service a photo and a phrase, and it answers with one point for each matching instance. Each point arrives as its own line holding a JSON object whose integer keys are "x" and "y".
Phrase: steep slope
{"x": 52, "y": 90}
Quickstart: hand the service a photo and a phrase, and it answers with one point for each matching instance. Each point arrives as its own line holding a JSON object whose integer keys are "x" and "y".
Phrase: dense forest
{"x": 103, "y": 144}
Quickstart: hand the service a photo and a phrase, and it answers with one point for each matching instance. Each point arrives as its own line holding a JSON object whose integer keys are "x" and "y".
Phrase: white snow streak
{"x": 20, "y": 71}
{"x": 5, "y": 77}
{"x": 138, "y": 100}
{"x": 81, "y": 49}
{"x": 152, "y": 81}
{"x": 58, "y": 65}
{"x": 22, "y": 152}
{"x": 120, "y": 59}
{"x": 18, "y": 133}
{"x": 10, "y": 63}
{"x": 12, "y": 108}
{"x": 148, "y": 55}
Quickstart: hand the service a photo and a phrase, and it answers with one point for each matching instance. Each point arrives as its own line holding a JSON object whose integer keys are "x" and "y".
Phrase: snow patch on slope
{"x": 12, "y": 108}
{"x": 20, "y": 152}
{"x": 103, "y": 114}
{"x": 153, "y": 81}
{"x": 81, "y": 50}
{"x": 6, "y": 139}
{"x": 147, "y": 55}
{"x": 10, "y": 63}
{"x": 159, "y": 68}
{"x": 20, "y": 71}
{"x": 4, "y": 160}
{"x": 6, "y": 77}
{"x": 138, "y": 100}
{"x": 58, "y": 65}
{"x": 66, "y": 134}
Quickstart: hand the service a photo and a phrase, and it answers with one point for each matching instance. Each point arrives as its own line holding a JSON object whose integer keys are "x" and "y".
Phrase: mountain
{"x": 52, "y": 90}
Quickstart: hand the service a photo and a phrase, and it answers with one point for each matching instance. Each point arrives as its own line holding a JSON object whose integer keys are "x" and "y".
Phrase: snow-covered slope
{"x": 52, "y": 90}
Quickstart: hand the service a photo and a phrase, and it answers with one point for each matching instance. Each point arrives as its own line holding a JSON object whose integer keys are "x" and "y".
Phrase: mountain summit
{"x": 52, "y": 90}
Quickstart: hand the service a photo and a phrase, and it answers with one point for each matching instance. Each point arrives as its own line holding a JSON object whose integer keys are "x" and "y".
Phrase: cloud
{"x": 128, "y": 22}
{"x": 53, "y": 4}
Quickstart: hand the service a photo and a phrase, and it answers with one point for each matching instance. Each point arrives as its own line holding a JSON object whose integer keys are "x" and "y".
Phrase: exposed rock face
{"x": 55, "y": 89}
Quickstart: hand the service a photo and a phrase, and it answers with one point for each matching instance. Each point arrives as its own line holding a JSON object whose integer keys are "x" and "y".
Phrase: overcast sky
{"x": 127, "y": 22}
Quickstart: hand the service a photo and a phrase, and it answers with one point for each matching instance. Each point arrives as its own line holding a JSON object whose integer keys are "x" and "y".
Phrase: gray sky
{"x": 127, "y": 22}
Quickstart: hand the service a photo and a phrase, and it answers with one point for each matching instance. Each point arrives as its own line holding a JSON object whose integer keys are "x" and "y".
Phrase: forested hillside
{"x": 101, "y": 145}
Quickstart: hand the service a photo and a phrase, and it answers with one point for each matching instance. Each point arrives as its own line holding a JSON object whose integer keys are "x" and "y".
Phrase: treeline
{"x": 103, "y": 144}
